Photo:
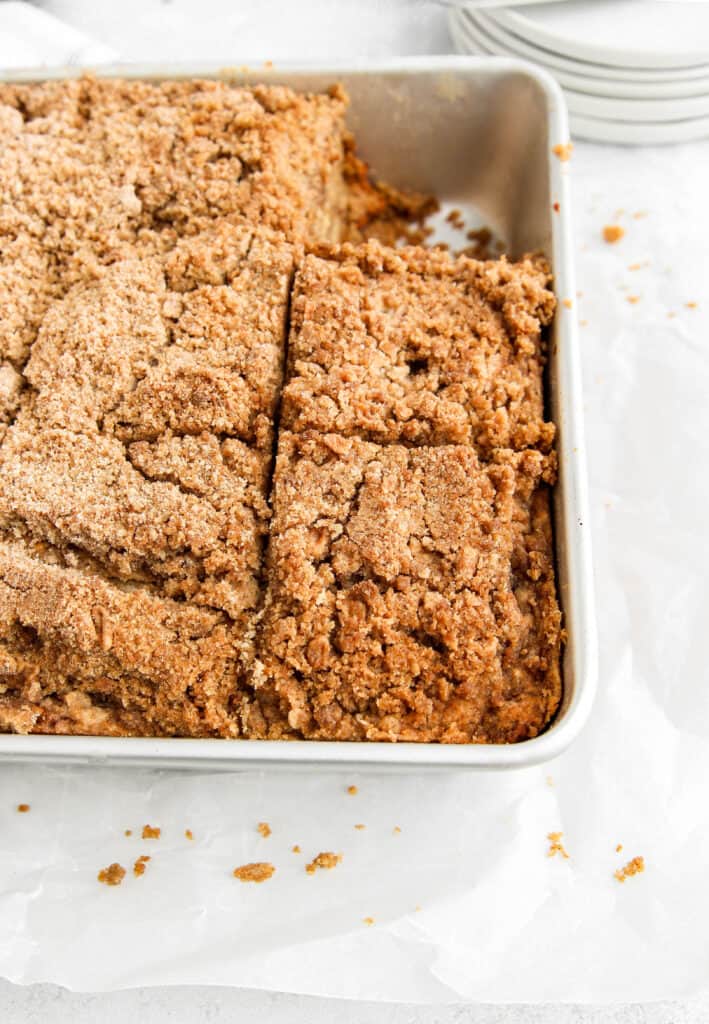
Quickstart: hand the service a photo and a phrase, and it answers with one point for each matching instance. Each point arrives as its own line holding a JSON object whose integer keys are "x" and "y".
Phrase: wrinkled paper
{"x": 465, "y": 900}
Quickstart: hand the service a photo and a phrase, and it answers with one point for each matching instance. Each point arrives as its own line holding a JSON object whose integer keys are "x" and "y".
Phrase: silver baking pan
{"x": 479, "y": 134}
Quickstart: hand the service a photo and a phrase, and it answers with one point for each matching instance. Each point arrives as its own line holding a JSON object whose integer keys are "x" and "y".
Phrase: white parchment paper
{"x": 466, "y": 903}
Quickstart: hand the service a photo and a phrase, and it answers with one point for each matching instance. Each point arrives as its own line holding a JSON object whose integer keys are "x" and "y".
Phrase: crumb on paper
{"x": 613, "y": 233}
{"x": 634, "y": 867}
{"x": 112, "y": 875}
{"x": 352, "y": 790}
{"x": 563, "y": 151}
{"x": 691, "y": 305}
{"x": 260, "y": 871}
{"x": 149, "y": 832}
{"x": 295, "y": 849}
{"x": 23, "y": 808}
{"x": 556, "y": 207}
{"x": 368, "y": 921}
{"x": 264, "y": 829}
{"x": 567, "y": 303}
{"x": 128, "y": 832}
{"x": 556, "y": 845}
{"x": 189, "y": 834}
{"x": 632, "y": 299}
{"x": 360, "y": 827}
{"x": 396, "y": 830}
{"x": 619, "y": 847}
{"x": 139, "y": 866}
{"x": 326, "y": 860}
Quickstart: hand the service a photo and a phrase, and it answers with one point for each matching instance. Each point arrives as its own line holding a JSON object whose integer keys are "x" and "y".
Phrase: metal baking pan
{"x": 479, "y": 134}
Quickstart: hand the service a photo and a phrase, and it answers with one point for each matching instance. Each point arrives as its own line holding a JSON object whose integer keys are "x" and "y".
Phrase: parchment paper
{"x": 466, "y": 903}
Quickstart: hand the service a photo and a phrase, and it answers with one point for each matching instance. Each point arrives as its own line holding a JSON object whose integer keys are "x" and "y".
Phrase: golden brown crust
{"x": 410, "y": 346}
{"x": 410, "y": 596}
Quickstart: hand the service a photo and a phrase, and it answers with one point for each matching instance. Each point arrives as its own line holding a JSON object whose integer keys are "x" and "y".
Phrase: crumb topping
{"x": 556, "y": 846}
{"x": 264, "y": 829}
{"x": 112, "y": 875}
{"x": 149, "y": 832}
{"x": 327, "y": 861}
{"x": 634, "y": 867}
{"x": 260, "y": 871}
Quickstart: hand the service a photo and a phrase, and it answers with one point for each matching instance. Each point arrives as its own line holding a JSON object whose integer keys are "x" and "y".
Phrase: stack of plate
{"x": 633, "y": 71}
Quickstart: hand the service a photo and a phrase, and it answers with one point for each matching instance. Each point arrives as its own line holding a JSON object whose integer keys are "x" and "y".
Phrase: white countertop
{"x": 606, "y": 180}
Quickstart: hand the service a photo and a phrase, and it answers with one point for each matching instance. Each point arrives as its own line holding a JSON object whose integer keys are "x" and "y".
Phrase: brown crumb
{"x": 556, "y": 207}
{"x": 352, "y": 790}
{"x": 325, "y": 860}
{"x": 563, "y": 150}
{"x": 112, "y": 875}
{"x": 613, "y": 233}
{"x": 691, "y": 305}
{"x": 567, "y": 303}
{"x": 296, "y": 849}
{"x": 637, "y": 266}
{"x": 619, "y": 847}
{"x": 633, "y": 299}
{"x": 556, "y": 845}
{"x": 189, "y": 834}
{"x": 481, "y": 243}
{"x": 128, "y": 832}
{"x": 633, "y": 867}
{"x": 23, "y": 808}
{"x": 455, "y": 219}
{"x": 368, "y": 920}
{"x": 396, "y": 830}
{"x": 264, "y": 828}
{"x": 360, "y": 827}
{"x": 150, "y": 833}
{"x": 139, "y": 866}
{"x": 260, "y": 871}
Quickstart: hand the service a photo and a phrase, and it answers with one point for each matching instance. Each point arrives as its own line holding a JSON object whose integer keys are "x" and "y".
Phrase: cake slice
{"x": 410, "y": 596}
{"x": 133, "y": 493}
{"x": 413, "y": 347}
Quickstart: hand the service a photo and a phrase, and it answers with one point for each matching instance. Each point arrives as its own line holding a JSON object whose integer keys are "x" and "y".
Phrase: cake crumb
{"x": 583, "y": 323}
{"x": 550, "y": 781}
{"x": 633, "y": 867}
{"x": 128, "y": 832}
{"x": 149, "y": 832}
{"x": 567, "y": 303}
{"x": 264, "y": 828}
{"x": 260, "y": 871}
{"x": 396, "y": 830}
{"x": 613, "y": 233}
{"x": 352, "y": 790}
{"x": 417, "y": 908}
{"x": 556, "y": 207}
{"x": 23, "y": 808}
{"x": 619, "y": 847}
{"x": 189, "y": 834}
{"x": 691, "y": 305}
{"x": 556, "y": 845}
{"x": 563, "y": 151}
{"x": 637, "y": 266}
{"x": 633, "y": 299}
{"x": 368, "y": 921}
{"x": 139, "y": 866}
{"x": 326, "y": 860}
{"x": 455, "y": 219}
{"x": 296, "y": 849}
{"x": 112, "y": 875}
{"x": 360, "y": 827}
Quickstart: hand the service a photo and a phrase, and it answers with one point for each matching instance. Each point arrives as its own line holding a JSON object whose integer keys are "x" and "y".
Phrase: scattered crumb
{"x": 619, "y": 847}
{"x": 112, "y": 875}
{"x": 633, "y": 867}
{"x": 455, "y": 219}
{"x": 691, "y": 305}
{"x": 323, "y": 860}
{"x": 563, "y": 150}
{"x": 295, "y": 849}
{"x": 23, "y": 808}
{"x": 128, "y": 832}
{"x": 556, "y": 845}
{"x": 396, "y": 830}
{"x": 567, "y": 303}
{"x": 264, "y": 828}
{"x": 352, "y": 790}
{"x": 556, "y": 207}
{"x": 583, "y": 323}
{"x": 150, "y": 833}
{"x": 441, "y": 246}
{"x": 613, "y": 233}
{"x": 139, "y": 866}
{"x": 550, "y": 781}
{"x": 368, "y": 920}
{"x": 360, "y": 827}
{"x": 260, "y": 871}
{"x": 189, "y": 833}
{"x": 632, "y": 299}
{"x": 417, "y": 908}
{"x": 638, "y": 266}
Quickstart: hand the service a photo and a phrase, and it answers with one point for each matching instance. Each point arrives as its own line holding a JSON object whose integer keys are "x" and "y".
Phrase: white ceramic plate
{"x": 555, "y": 62}
{"x": 627, "y": 33}
{"x": 583, "y": 76}
{"x": 626, "y": 133}
{"x": 645, "y": 111}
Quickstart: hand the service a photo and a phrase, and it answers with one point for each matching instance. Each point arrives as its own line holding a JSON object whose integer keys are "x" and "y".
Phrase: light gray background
{"x": 237, "y": 30}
